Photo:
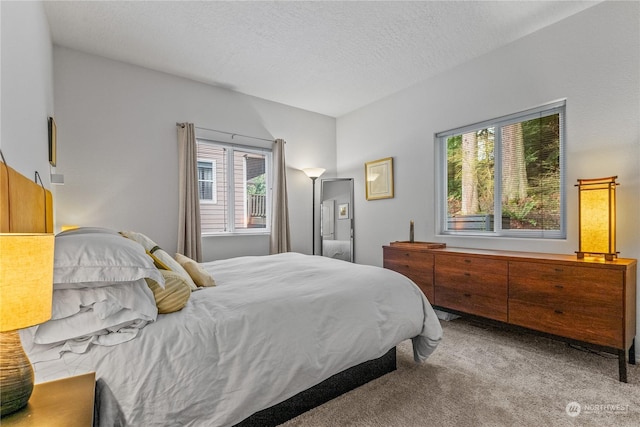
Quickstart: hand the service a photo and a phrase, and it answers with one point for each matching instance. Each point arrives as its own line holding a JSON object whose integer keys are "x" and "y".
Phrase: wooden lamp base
{"x": 16, "y": 374}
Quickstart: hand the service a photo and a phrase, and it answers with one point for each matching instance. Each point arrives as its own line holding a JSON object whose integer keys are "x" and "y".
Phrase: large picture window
{"x": 504, "y": 176}
{"x": 235, "y": 188}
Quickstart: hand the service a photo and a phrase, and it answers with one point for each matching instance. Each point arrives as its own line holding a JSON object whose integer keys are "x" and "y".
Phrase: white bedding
{"x": 272, "y": 327}
{"x": 338, "y": 249}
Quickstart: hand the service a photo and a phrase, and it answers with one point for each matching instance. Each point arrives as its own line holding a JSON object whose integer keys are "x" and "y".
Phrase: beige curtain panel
{"x": 280, "y": 235}
{"x": 189, "y": 238}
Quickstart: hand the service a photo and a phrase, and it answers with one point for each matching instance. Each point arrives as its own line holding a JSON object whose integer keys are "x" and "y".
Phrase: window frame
{"x": 441, "y": 162}
{"x": 230, "y": 149}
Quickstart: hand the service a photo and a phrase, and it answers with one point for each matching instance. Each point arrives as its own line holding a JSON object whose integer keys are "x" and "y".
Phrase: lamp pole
{"x": 313, "y": 215}
{"x": 313, "y": 173}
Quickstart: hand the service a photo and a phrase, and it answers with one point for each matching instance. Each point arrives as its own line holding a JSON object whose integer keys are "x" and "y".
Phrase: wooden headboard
{"x": 25, "y": 207}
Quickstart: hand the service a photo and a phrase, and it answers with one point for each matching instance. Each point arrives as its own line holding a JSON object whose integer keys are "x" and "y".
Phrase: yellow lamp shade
{"x": 597, "y": 217}
{"x": 26, "y": 279}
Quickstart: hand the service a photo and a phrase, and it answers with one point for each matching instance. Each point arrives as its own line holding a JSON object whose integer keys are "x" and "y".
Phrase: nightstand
{"x": 62, "y": 403}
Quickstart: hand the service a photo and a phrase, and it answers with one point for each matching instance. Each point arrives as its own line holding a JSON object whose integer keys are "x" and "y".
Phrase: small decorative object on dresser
{"x": 411, "y": 231}
{"x": 591, "y": 301}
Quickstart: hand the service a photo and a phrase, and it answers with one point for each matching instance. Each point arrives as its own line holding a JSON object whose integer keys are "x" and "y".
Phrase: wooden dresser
{"x": 589, "y": 300}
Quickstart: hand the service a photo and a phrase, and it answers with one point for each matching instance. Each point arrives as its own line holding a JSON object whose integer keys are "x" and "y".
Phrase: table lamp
{"x": 597, "y": 217}
{"x": 26, "y": 290}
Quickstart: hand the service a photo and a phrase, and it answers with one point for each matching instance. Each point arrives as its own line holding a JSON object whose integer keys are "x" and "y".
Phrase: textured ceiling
{"x": 330, "y": 57}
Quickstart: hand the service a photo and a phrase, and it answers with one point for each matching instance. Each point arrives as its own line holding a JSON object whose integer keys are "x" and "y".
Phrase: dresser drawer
{"x": 478, "y": 265}
{"x": 472, "y": 275}
{"x": 472, "y": 303}
{"x": 417, "y": 266}
{"x": 472, "y": 285}
{"x": 596, "y": 292}
{"x": 578, "y": 325}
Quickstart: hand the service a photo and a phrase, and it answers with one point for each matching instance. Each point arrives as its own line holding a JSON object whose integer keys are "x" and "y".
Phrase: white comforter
{"x": 272, "y": 327}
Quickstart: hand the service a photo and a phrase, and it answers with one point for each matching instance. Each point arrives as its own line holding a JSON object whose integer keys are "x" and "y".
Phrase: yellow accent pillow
{"x": 161, "y": 259}
{"x": 175, "y": 294}
{"x": 158, "y": 262}
{"x": 200, "y": 276}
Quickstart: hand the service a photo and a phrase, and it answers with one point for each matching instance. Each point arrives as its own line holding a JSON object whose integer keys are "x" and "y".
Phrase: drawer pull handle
{"x": 467, "y": 295}
{"x": 467, "y": 274}
{"x": 467, "y": 261}
{"x": 558, "y": 270}
{"x": 559, "y": 286}
{"x": 558, "y": 311}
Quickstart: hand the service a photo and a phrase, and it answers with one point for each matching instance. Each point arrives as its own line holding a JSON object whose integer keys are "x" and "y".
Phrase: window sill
{"x": 236, "y": 234}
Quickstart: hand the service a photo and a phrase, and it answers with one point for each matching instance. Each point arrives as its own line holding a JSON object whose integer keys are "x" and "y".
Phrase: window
{"x": 234, "y": 183}
{"x": 206, "y": 181}
{"x": 510, "y": 168}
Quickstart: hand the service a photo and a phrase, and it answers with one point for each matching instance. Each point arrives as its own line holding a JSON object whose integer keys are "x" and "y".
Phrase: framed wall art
{"x": 378, "y": 176}
{"x": 343, "y": 211}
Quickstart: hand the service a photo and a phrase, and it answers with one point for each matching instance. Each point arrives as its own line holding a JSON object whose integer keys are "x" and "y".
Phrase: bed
{"x": 338, "y": 249}
{"x": 251, "y": 334}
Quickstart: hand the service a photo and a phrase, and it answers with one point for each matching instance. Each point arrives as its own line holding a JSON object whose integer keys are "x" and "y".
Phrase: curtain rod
{"x": 229, "y": 133}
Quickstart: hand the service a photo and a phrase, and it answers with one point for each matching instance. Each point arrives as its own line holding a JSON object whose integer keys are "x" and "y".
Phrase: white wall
{"x": 597, "y": 71}
{"x": 117, "y": 148}
{"x": 26, "y": 88}
{"x": 591, "y": 59}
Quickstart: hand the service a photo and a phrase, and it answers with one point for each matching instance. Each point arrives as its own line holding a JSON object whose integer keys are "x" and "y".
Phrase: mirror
{"x": 336, "y": 218}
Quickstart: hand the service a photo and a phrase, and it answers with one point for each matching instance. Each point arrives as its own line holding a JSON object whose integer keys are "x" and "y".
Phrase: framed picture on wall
{"x": 343, "y": 211}
{"x": 52, "y": 141}
{"x": 378, "y": 176}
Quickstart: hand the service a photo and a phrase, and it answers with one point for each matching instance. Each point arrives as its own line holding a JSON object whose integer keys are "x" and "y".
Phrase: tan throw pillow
{"x": 175, "y": 294}
{"x": 200, "y": 276}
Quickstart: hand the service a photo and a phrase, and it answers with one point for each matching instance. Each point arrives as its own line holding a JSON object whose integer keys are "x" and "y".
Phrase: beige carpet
{"x": 486, "y": 376}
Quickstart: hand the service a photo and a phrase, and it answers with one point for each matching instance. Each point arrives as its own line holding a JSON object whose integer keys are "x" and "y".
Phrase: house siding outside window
{"x": 242, "y": 188}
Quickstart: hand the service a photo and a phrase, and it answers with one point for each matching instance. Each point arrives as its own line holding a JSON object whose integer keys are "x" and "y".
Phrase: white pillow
{"x": 87, "y": 230}
{"x": 161, "y": 257}
{"x": 146, "y": 242}
{"x": 99, "y": 259}
{"x": 81, "y": 313}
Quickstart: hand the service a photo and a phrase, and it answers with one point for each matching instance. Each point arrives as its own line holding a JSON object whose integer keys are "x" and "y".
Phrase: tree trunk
{"x": 469, "y": 175}
{"x": 514, "y": 172}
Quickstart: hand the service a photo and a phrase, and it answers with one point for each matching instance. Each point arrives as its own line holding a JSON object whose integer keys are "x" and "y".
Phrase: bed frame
{"x": 26, "y": 207}
{"x": 330, "y": 388}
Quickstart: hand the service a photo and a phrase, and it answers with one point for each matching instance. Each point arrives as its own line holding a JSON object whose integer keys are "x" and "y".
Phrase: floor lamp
{"x": 313, "y": 173}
